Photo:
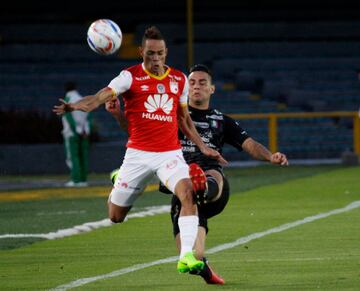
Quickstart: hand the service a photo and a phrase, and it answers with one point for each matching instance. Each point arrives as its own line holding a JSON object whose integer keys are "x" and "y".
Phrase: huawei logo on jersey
{"x": 159, "y": 101}
{"x": 155, "y": 103}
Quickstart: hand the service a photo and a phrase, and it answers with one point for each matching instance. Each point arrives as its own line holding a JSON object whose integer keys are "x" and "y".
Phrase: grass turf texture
{"x": 320, "y": 255}
{"x": 46, "y": 210}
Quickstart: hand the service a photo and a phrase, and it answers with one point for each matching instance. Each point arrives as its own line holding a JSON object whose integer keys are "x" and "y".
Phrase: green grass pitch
{"x": 319, "y": 255}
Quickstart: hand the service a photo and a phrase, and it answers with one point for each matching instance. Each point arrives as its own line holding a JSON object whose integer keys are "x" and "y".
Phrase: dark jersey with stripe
{"x": 215, "y": 129}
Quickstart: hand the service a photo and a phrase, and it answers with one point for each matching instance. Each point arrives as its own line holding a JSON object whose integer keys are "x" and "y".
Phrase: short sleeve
{"x": 234, "y": 134}
{"x": 184, "y": 96}
{"x": 121, "y": 83}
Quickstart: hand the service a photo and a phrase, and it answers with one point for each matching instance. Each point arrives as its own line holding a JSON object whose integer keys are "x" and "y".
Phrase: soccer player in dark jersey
{"x": 210, "y": 184}
{"x": 216, "y": 129}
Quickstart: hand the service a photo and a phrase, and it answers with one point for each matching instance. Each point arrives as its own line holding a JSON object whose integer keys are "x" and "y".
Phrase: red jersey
{"x": 151, "y": 103}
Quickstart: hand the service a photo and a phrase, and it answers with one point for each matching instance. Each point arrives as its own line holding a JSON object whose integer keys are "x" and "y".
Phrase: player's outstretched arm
{"x": 279, "y": 158}
{"x": 259, "y": 152}
{"x": 87, "y": 104}
{"x": 113, "y": 106}
{"x": 187, "y": 126}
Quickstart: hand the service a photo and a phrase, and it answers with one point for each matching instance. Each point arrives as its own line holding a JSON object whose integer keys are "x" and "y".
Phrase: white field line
{"x": 89, "y": 226}
{"x": 240, "y": 241}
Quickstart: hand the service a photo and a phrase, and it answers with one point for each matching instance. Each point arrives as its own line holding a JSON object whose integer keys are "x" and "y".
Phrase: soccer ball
{"x": 104, "y": 36}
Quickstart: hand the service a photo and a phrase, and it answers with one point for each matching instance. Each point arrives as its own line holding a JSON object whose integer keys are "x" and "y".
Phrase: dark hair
{"x": 69, "y": 86}
{"x": 152, "y": 32}
{"x": 200, "y": 68}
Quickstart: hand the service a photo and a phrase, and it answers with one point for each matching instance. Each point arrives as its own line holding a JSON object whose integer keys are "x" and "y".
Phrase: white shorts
{"x": 139, "y": 167}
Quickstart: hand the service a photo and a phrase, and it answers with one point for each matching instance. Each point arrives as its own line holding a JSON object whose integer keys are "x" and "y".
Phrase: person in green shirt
{"x": 76, "y": 132}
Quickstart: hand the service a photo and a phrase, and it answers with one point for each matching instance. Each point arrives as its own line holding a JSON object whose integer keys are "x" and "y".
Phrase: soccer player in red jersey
{"x": 210, "y": 185}
{"x": 155, "y": 103}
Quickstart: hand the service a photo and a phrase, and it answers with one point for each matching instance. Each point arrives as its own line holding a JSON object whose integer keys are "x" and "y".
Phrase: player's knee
{"x": 184, "y": 192}
{"x": 117, "y": 213}
{"x": 189, "y": 192}
{"x": 187, "y": 197}
{"x": 116, "y": 218}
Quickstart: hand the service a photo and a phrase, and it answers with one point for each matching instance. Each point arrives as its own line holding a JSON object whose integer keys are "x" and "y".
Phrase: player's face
{"x": 154, "y": 55}
{"x": 200, "y": 88}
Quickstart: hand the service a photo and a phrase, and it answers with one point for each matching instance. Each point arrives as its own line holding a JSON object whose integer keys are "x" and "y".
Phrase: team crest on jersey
{"x": 214, "y": 124}
{"x": 174, "y": 87}
{"x": 160, "y": 88}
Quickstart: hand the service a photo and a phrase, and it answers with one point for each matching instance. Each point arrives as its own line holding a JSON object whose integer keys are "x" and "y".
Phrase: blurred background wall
{"x": 266, "y": 56}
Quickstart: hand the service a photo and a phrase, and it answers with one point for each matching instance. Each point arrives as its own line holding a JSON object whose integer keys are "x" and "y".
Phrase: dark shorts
{"x": 205, "y": 211}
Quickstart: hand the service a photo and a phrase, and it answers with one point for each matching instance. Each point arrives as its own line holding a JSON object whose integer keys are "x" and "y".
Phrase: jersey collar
{"x": 201, "y": 111}
{"x": 163, "y": 76}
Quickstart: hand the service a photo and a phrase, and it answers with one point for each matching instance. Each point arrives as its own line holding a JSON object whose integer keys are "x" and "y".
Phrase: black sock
{"x": 213, "y": 188}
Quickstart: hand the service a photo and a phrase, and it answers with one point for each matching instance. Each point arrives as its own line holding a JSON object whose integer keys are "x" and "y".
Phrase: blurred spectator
{"x": 76, "y": 132}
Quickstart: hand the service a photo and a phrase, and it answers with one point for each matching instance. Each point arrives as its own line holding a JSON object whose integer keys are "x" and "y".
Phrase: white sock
{"x": 188, "y": 226}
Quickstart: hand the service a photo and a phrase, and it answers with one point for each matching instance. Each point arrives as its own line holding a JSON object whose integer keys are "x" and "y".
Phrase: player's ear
{"x": 212, "y": 89}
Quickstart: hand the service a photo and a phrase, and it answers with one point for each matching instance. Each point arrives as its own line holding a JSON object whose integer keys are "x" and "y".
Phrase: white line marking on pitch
{"x": 240, "y": 241}
{"x": 89, "y": 226}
